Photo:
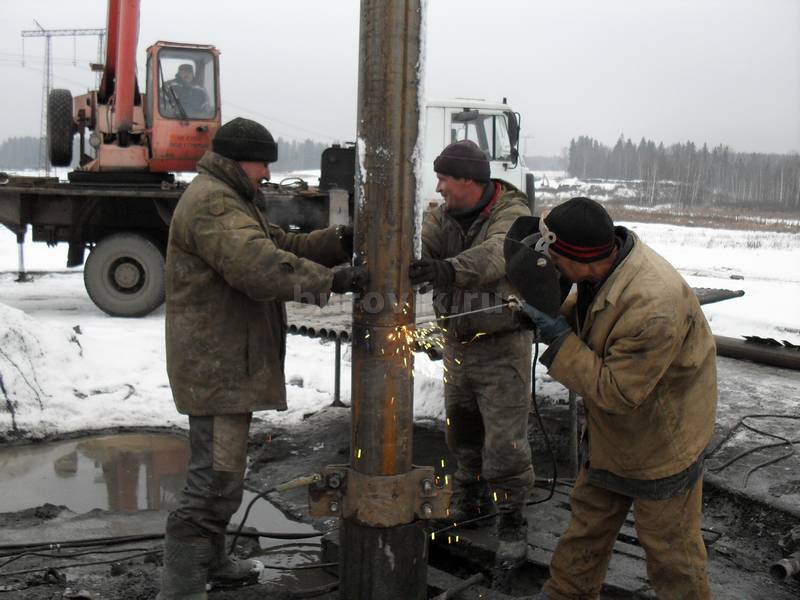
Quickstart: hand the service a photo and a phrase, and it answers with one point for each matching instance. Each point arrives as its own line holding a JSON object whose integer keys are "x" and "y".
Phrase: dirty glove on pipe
{"x": 438, "y": 273}
{"x": 349, "y": 279}
{"x": 550, "y": 328}
{"x": 345, "y": 233}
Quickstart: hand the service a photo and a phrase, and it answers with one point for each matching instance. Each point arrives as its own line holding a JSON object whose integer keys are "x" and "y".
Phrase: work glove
{"x": 439, "y": 274}
{"x": 345, "y": 233}
{"x": 350, "y": 279}
{"x": 549, "y": 328}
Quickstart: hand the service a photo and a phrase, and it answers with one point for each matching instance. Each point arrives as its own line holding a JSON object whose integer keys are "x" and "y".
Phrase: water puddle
{"x": 125, "y": 472}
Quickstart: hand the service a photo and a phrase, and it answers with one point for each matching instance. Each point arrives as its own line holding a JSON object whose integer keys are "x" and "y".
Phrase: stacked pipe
{"x": 323, "y": 333}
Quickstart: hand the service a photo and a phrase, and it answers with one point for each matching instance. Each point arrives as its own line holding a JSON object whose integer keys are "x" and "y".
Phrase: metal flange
{"x": 379, "y": 500}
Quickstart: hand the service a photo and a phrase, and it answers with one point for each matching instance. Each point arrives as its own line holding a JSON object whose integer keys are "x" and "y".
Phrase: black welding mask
{"x": 529, "y": 266}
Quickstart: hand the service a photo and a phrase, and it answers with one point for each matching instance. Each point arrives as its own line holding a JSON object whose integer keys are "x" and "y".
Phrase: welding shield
{"x": 529, "y": 267}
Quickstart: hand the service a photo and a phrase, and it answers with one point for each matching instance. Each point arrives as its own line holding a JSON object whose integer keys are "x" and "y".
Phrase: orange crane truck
{"x": 118, "y": 202}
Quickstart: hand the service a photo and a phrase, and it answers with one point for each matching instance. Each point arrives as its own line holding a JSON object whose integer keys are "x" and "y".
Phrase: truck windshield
{"x": 489, "y": 131}
{"x": 187, "y": 84}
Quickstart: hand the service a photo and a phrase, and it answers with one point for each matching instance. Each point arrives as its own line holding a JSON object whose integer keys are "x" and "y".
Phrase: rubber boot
{"x": 512, "y": 538}
{"x": 185, "y": 566}
{"x": 229, "y": 571}
{"x": 469, "y": 502}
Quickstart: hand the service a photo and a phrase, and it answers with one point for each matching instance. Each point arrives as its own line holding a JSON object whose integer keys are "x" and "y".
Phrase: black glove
{"x": 550, "y": 328}
{"x": 349, "y": 279}
{"x": 439, "y": 273}
{"x": 345, "y": 233}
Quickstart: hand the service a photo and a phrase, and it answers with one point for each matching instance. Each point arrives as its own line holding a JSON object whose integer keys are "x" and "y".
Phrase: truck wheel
{"x": 60, "y": 127}
{"x": 124, "y": 275}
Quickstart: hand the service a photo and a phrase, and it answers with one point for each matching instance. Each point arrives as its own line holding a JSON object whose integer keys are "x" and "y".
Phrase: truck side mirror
{"x": 514, "y": 119}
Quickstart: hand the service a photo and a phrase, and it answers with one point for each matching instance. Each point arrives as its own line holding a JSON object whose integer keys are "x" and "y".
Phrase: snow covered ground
{"x": 66, "y": 366}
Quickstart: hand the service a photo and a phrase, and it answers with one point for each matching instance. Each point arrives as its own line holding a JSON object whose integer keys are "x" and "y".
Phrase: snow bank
{"x": 40, "y": 367}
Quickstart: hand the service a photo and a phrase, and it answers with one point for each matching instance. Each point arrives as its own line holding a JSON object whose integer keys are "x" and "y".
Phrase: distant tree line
{"x": 19, "y": 153}
{"x": 687, "y": 176}
{"x": 294, "y": 155}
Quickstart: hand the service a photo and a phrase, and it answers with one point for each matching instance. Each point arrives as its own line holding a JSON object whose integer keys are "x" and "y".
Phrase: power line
{"x": 47, "y": 79}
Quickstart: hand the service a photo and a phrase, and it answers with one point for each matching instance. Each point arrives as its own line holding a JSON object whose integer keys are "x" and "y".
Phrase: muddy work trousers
{"x": 668, "y": 531}
{"x": 487, "y": 399}
{"x": 215, "y": 479}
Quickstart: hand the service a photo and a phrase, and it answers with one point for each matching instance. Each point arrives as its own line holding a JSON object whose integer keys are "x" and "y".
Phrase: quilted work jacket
{"x": 228, "y": 275}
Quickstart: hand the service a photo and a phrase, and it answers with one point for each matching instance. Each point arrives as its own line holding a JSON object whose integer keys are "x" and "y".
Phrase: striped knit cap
{"x": 584, "y": 230}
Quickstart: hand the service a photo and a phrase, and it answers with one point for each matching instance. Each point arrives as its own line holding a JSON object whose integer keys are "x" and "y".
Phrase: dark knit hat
{"x": 246, "y": 140}
{"x": 584, "y": 230}
{"x": 464, "y": 160}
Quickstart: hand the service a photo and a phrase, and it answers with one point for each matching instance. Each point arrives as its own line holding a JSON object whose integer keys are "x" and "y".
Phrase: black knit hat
{"x": 584, "y": 230}
{"x": 246, "y": 140}
{"x": 464, "y": 160}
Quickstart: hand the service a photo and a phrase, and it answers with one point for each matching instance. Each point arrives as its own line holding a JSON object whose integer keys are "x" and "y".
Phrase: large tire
{"x": 60, "y": 127}
{"x": 124, "y": 275}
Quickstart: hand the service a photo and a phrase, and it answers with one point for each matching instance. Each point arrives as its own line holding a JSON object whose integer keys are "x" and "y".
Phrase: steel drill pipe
{"x": 389, "y": 562}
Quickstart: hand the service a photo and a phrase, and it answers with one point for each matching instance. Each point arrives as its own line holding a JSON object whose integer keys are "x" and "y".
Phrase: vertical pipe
{"x": 387, "y": 563}
{"x": 22, "y": 275}
{"x": 337, "y": 374}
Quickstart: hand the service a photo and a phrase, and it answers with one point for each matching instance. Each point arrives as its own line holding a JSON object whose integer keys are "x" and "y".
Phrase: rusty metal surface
{"x": 388, "y": 123}
{"x": 379, "y": 501}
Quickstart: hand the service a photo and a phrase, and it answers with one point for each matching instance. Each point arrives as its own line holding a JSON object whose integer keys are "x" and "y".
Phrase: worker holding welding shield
{"x": 635, "y": 345}
{"x": 228, "y": 275}
{"x": 487, "y": 355}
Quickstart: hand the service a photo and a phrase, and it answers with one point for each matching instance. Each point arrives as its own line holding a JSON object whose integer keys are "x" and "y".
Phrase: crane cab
{"x": 182, "y": 107}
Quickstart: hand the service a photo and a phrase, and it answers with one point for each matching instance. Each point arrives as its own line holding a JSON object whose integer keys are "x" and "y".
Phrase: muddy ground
{"x": 744, "y": 535}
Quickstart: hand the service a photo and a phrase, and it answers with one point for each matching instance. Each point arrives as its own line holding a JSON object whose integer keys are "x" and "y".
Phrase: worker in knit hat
{"x": 487, "y": 354}
{"x": 228, "y": 275}
{"x": 634, "y": 344}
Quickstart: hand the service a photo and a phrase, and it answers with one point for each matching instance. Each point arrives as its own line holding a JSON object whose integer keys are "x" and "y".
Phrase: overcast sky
{"x": 710, "y": 71}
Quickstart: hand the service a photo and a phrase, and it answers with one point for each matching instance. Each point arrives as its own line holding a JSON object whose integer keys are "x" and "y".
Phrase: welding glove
{"x": 345, "y": 233}
{"x": 439, "y": 274}
{"x": 350, "y": 279}
{"x": 549, "y": 328}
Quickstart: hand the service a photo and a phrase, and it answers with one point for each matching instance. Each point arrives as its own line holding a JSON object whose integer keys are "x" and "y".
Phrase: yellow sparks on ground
{"x": 366, "y": 335}
{"x": 457, "y": 539}
{"x": 358, "y": 455}
{"x": 458, "y": 362}
{"x": 449, "y": 540}
{"x": 446, "y": 480}
{"x": 448, "y": 421}
{"x": 443, "y": 463}
{"x": 433, "y": 535}
{"x": 445, "y": 379}
{"x": 495, "y": 496}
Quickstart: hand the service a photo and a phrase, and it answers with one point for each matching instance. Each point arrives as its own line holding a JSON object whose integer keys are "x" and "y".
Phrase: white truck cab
{"x": 494, "y": 127}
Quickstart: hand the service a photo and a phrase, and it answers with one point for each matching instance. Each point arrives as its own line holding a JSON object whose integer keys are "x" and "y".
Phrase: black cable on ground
{"x": 238, "y": 531}
{"x": 741, "y": 423}
{"x": 88, "y": 564}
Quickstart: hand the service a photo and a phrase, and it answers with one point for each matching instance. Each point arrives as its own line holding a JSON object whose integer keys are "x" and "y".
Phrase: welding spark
{"x": 433, "y": 535}
{"x": 358, "y": 455}
{"x": 443, "y": 463}
{"x": 448, "y": 421}
{"x": 495, "y": 496}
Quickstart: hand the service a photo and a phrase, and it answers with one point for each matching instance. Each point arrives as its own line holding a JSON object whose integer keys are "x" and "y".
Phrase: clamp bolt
{"x": 427, "y": 510}
{"x": 427, "y": 486}
{"x": 334, "y": 507}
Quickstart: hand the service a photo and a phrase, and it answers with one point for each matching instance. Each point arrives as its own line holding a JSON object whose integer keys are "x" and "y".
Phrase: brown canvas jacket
{"x": 228, "y": 275}
{"x": 644, "y": 362}
{"x": 480, "y": 269}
